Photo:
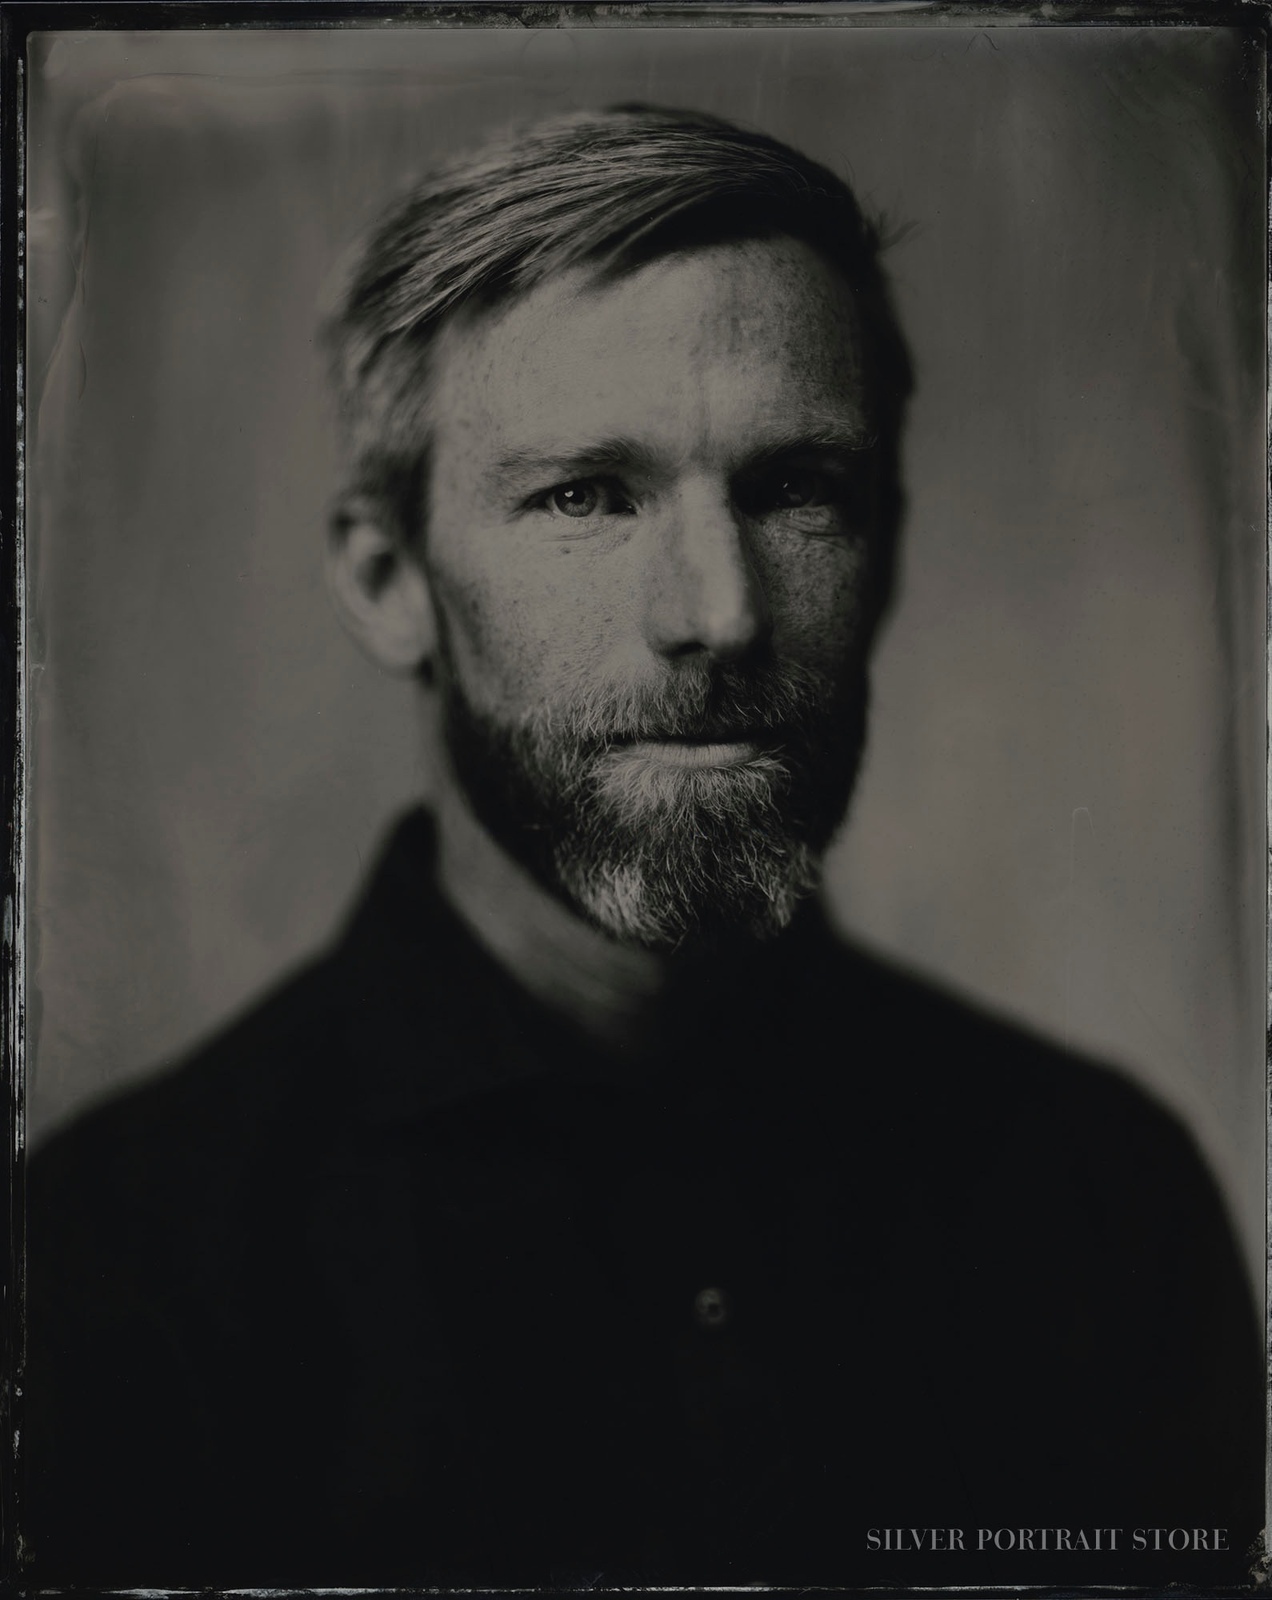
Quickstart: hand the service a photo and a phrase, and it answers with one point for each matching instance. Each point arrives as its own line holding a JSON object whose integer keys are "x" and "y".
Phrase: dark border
{"x": 24, "y": 17}
{"x": 12, "y": 786}
{"x": 21, "y": 18}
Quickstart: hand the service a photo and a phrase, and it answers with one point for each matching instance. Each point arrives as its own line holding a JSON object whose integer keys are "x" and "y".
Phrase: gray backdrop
{"x": 1063, "y": 809}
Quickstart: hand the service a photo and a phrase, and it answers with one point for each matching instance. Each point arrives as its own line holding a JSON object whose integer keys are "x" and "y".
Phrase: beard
{"x": 663, "y": 855}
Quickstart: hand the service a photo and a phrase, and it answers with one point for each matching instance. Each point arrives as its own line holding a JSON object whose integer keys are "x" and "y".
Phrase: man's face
{"x": 649, "y": 544}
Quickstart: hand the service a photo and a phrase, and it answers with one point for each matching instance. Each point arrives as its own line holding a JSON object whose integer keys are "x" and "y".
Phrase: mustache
{"x": 697, "y": 700}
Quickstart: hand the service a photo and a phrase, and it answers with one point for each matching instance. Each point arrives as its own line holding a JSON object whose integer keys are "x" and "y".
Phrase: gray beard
{"x": 659, "y": 856}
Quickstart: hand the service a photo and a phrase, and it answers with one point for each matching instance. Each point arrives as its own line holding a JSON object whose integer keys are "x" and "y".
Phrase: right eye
{"x": 584, "y": 497}
{"x": 574, "y": 499}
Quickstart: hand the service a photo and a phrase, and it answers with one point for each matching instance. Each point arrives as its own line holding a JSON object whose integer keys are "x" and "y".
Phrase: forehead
{"x": 702, "y": 351}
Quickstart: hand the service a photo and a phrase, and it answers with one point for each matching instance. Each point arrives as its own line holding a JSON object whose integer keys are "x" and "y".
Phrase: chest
{"x": 588, "y": 1321}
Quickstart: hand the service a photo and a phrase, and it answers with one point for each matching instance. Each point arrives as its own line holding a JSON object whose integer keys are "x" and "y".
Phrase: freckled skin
{"x": 696, "y": 358}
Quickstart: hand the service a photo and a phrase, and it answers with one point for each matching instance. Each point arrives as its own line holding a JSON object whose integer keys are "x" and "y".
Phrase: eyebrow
{"x": 596, "y": 455}
{"x": 515, "y": 467}
{"x": 835, "y": 439}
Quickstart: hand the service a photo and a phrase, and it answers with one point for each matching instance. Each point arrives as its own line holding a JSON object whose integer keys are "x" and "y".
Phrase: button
{"x": 711, "y": 1308}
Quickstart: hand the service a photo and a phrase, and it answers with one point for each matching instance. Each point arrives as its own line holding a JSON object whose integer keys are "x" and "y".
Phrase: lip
{"x": 698, "y": 753}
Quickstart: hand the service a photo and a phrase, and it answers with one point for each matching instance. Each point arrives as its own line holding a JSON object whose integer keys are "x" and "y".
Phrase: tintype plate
{"x": 570, "y": 1221}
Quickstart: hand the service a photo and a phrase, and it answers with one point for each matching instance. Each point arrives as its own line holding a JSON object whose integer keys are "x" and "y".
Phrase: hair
{"x": 615, "y": 188}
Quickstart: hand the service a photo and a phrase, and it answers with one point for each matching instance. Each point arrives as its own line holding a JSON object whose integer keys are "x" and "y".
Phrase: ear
{"x": 379, "y": 589}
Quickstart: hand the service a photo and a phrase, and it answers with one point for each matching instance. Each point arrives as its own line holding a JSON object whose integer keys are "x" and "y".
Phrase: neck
{"x": 606, "y": 989}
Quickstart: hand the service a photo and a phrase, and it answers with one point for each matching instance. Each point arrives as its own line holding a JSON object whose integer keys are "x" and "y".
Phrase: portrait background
{"x": 1062, "y": 814}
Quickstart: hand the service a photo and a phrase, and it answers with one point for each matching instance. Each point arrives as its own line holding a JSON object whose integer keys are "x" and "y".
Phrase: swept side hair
{"x": 616, "y": 187}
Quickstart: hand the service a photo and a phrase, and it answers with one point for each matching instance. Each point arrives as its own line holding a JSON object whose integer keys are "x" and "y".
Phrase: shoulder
{"x": 964, "y": 1060}
{"x": 1067, "y": 1226}
{"x": 1011, "y": 1131}
{"x": 148, "y": 1162}
{"x": 273, "y": 1085}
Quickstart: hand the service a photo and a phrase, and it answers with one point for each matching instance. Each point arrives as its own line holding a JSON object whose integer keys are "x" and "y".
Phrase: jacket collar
{"x": 430, "y": 1018}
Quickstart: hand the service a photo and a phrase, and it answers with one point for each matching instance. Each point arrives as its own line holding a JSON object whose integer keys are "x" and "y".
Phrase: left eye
{"x": 791, "y": 491}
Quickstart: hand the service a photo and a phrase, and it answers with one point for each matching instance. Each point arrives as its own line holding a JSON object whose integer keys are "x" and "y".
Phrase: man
{"x": 590, "y": 1215}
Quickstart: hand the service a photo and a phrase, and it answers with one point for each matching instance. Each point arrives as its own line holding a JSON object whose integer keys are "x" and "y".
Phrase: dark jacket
{"x": 399, "y": 1281}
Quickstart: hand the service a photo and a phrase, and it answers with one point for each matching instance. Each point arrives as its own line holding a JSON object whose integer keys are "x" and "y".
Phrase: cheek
{"x": 819, "y": 592}
{"x": 520, "y": 631}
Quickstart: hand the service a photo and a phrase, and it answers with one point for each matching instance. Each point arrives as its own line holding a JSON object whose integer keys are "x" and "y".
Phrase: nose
{"x": 702, "y": 591}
